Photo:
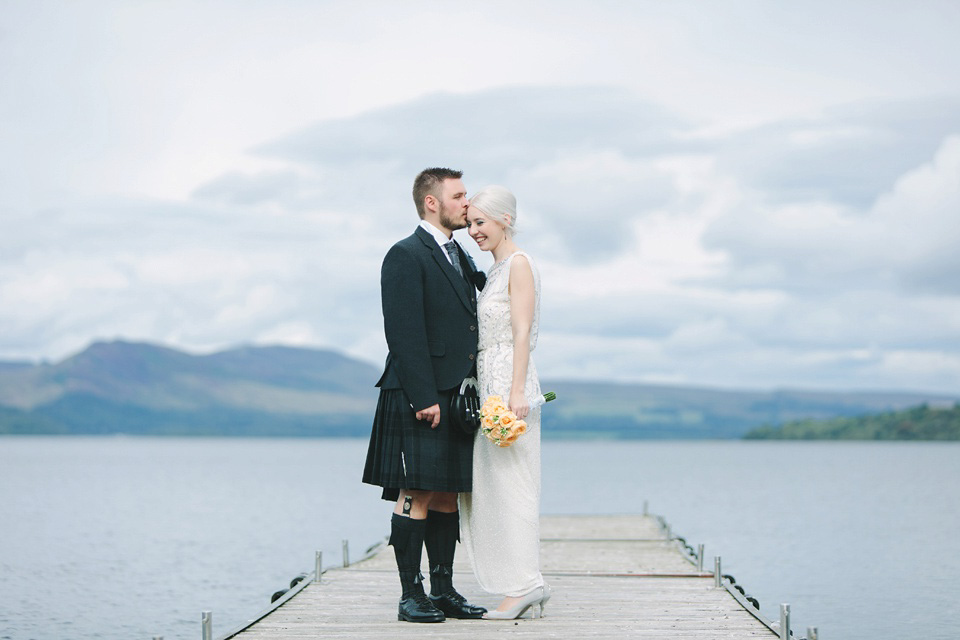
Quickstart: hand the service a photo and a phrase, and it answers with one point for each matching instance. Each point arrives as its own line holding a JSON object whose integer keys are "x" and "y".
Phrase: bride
{"x": 501, "y": 517}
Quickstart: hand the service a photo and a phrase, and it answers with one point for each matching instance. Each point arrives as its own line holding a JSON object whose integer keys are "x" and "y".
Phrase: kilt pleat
{"x": 405, "y": 453}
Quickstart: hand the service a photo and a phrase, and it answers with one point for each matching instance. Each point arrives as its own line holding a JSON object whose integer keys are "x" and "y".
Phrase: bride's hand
{"x": 519, "y": 405}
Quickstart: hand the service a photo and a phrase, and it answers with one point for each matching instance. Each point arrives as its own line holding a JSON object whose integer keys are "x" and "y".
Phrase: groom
{"x": 428, "y": 289}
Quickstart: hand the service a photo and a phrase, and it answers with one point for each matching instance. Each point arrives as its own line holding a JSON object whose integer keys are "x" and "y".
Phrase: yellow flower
{"x": 507, "y": 419}
{"x": 492, "y": 402}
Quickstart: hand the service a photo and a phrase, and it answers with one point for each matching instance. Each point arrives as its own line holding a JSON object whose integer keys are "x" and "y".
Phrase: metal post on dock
{"x": 812, "y": 633}
{"x": 346, "y": 553}
{"x": 700, "y": 557}
{"x": 717, "y": 577}
{"x": 784, "y": 622}
{"x": 646, "y": 508}
{"x": 318, "y": 566}
{"x": 206, "y": 620}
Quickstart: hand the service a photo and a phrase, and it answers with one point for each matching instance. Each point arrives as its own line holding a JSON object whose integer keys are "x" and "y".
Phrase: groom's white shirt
{"x": 439, "y": 236}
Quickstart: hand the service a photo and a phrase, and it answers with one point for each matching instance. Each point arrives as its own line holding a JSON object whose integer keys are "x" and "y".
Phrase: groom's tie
{"x": 454, "y": 254}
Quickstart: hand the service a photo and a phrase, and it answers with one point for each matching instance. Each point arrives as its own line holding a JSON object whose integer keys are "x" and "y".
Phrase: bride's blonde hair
{"x": 497, "y": 203}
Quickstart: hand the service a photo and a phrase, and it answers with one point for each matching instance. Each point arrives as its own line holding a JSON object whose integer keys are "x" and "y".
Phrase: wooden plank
{"x": 626, "y": 526}
{"x": 602, "y": 572}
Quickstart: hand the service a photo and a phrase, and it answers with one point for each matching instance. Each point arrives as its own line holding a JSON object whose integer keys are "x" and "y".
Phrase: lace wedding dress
{"x": 500, "y": 520}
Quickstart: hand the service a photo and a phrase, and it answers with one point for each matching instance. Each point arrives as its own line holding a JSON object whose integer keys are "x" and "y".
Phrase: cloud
{"x": 917, "y": 221}
{"x": 848, "y": 155}
{"x": 192, "y": 276}
{"x": 904, "y": 239}
{"x": 515, "y": 127}
{"x": 573, "y": 154}
{"x": 810, "y": 252}
{"x": 285, "y": 188}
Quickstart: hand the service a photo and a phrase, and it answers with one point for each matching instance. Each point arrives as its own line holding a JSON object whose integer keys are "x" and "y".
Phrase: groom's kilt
{"x": 405, "y": 453}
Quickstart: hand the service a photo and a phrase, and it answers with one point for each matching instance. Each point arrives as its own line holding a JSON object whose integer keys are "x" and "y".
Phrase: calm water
{"x": 125, "y": 538}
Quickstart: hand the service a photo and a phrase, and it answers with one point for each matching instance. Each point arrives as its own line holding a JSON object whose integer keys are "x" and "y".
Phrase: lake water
{"x": 123, "y": 538}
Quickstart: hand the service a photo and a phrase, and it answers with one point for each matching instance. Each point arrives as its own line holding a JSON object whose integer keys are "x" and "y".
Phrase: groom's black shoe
{"x": 418, "y": 608}
{"x": 454, "y": 605}
{"x": 406, "y": 536}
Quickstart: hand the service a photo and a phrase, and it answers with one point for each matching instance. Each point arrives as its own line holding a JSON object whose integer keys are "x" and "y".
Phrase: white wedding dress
{"x": 500, "y": 520}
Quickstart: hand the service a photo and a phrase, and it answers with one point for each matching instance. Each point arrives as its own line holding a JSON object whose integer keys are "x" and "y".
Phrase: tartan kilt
{"x": 405, "y": 453}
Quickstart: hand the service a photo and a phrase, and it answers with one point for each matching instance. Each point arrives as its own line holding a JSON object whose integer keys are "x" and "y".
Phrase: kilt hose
{"x": 405, "y": 453}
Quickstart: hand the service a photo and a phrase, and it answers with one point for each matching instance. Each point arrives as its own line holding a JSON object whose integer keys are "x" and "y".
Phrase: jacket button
{"x": 472, "y": 328}
{"x": 470, "y": 356}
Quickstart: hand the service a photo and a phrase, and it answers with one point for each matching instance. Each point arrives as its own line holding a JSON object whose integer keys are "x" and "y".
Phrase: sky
{"x": 745, "y": 195}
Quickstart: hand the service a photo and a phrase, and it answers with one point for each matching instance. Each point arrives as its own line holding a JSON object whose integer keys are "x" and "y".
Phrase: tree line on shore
{"x": 917, "y": 423}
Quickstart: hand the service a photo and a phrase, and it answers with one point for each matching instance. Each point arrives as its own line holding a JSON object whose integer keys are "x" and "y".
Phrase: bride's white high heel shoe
{"x": 536, "y": 599}
{"x": 547, "y": 592}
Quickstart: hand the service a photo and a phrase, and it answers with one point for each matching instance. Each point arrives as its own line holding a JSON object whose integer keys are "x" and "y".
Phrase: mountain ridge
{"x": 144, "y": 388}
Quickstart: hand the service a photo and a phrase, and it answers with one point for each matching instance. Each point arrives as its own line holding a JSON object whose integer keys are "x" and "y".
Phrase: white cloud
{"x": 906, "y": 237}
{"x": 917, "y": 221}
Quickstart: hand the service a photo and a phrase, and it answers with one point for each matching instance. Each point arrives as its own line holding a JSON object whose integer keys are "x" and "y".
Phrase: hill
{"x": 916, "y": 423}
{"x": 141, "y": 388}
{"x": 137, "y": 388}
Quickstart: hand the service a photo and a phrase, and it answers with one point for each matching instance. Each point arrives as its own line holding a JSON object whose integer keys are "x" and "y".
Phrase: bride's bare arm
{"x": 522, "y": 302}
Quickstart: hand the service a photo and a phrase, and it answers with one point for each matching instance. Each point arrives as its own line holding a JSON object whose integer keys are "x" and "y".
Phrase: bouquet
{"x": 500, "y": 425}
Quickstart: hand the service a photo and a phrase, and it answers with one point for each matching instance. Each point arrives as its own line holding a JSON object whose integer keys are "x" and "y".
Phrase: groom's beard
{"x": 452, "y": 223}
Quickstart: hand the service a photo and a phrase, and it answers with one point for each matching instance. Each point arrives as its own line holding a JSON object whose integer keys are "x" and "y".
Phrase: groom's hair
{"x": 429, "y": 182}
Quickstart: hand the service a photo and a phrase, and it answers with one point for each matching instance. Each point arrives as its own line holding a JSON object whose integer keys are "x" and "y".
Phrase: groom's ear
{"x": 430, "y": 202}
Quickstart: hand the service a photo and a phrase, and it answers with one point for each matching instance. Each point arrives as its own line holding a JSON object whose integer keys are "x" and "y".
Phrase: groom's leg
{"x": 441, "y": 536}
{"x": 406, "y": 536}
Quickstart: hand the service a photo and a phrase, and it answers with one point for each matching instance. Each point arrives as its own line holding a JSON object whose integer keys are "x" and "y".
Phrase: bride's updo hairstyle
{"x": 496, "y": 203}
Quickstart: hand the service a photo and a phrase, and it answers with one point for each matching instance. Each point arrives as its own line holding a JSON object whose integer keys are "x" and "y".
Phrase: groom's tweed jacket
{"x": 429, "y": 319}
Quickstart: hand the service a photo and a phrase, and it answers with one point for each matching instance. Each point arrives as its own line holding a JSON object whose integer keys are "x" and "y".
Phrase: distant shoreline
{"x": 148, "y": 389}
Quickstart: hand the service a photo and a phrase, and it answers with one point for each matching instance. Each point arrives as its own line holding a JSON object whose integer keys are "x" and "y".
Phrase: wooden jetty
{"x": 617, "y": 576}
